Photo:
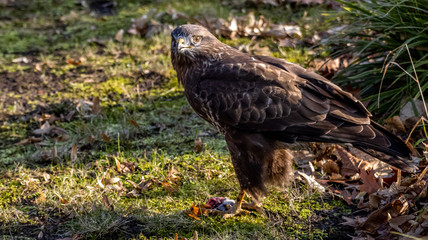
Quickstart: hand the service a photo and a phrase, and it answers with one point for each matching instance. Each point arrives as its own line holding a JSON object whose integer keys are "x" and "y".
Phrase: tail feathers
{"x": 401, "y": 163}
{"x": 396, "y": 153}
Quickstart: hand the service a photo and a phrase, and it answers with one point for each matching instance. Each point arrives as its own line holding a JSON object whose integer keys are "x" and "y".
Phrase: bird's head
{"x": 190, "y": 42}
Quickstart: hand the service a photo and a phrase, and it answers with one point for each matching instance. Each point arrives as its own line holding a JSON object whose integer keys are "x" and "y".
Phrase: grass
{"x": 377, "y": 34}
{"x": 145, "y": 126}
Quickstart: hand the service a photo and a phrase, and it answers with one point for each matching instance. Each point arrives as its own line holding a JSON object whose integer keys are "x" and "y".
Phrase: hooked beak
{"x": 182, "y": 46}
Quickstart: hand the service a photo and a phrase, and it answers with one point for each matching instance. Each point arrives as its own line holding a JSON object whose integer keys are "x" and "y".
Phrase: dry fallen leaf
{"x": 74, "y": 237}
{"x": 347, "y": 196}
{"x": 96, "y": 107}
{"x": 29, "y": 140}
{"x": 328, "y": 166}
{"x": 370, "y": 182}
{"x": 119, "y": 35}
{"x": 47, "y": 129}
{"x": 134, "y": 123}
{"x": 75, "y": 62}
{"x": 63, "y": 201}
{"x": 106, "y": 202}
{"x": 105, "y": 137}
{"x": 197, "y": 211}
{"x": 133, "y": 193}
{"x": 145, "y": 184}
{"x": 111, "y": 181}
{"x": 395, "y": 125}
{"x": 73, "y": 153}
{"x": 349, "y": 162}
{"x": 172, "y": 175}
{"x": 44, "y": 129}
{"x": 198, "y": 145}
{"x": 384, "y": 214}
{"x": 396, "y": 222}
{"x": 172, "y": 188}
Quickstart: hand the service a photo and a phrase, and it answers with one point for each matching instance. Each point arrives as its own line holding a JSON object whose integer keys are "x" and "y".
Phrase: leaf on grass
{"x": 198, "y": 145}
{"x": 133, "y": 193}
{"x": 135, "y": 185}
{"x": 172, "y": 175}
{"x": 74, "y": 237}
{"x": 119, "y": 35}
{"x": 75, "y": 62}
{"x": 125, "y": 167}
{"x": 47, "y": 129}
{"x": 62, "y": 138}
{"x": 41, "y": 198}
{"x": 145, "y": 185}
{"x": 370, "y": 182}
{"x": 142, "y": 186}
{"x": 106, "y": 202}
{"x": 134, "y": 123}
{"x": 29, "y": 140}
{"x": 46, "y": 177}
{"x": 195, "y": 212}
{"x": 105, "y": 137}
{"x": 96, "y": 107}
{"x": 49, "y": 117}
{"x": 128, "y": 167}
{"x": 21, "y": 60}
{"x": 63, "y": 201}
{"x": 44, "y": 129}
{"x": 172, "y": 188}
{"x": 111, "y": 181}
{"x": 118, "y": 167}
{"x": 69, "y": 116}
{"x": 100, "y": 183}
{"x": 73, "y": 153}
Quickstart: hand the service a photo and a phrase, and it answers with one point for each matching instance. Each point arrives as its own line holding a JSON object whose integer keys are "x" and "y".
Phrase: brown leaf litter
{"x": 393, "y": 201}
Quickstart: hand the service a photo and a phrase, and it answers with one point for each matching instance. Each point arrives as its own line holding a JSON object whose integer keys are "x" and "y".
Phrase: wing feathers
{"x": 288, "y": 103}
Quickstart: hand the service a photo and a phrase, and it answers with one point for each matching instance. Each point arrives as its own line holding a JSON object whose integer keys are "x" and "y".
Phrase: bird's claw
{"x": 238, "y": 212}
{"x": 254, "y": 207}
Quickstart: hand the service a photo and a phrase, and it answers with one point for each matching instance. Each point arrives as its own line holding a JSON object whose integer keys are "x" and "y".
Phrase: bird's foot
{"x": 235, "y": 213}
{"x": 254, "y": 206}
{"x": 236, "y": 209}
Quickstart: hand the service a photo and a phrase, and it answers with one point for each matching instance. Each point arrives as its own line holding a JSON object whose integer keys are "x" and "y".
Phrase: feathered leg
{"x": 258, "y": 161}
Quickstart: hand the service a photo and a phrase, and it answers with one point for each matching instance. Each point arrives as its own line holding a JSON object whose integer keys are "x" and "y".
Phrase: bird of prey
{"x": 263, "y": 104}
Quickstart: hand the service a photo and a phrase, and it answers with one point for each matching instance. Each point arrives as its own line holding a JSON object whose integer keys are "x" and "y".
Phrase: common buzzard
{"x": 262, "y": 104}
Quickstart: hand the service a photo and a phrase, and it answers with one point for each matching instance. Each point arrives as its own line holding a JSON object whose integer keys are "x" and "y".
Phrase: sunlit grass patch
{"x": 83, "y": 180}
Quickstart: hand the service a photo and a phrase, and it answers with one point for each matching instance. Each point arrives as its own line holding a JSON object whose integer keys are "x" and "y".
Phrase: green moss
{"x": 152, "y": 127}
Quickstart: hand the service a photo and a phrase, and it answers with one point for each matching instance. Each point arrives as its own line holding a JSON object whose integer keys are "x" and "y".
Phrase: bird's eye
{"x": 196, "y": 38}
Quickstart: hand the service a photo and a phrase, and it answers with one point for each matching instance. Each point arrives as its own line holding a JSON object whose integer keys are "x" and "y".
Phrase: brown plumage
{"x": 262, "y": 103}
